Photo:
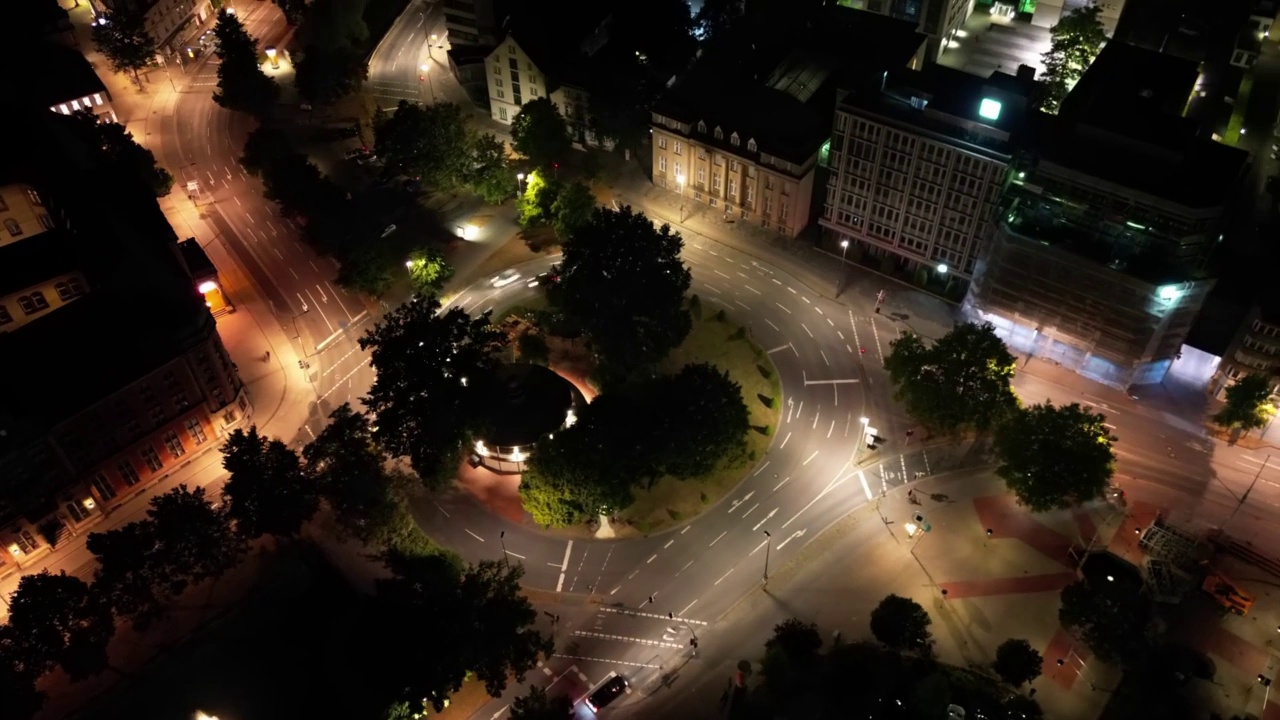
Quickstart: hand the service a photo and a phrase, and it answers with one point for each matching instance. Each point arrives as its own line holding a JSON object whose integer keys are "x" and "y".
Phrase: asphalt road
{"x": 396, "y": 64}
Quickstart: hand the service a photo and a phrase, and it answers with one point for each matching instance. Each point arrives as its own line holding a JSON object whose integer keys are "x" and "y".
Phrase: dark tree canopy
{"x": 347, "y": 466}
{"x": 1055, "y": 457}
{"x": 477, "y": 618}
{"x": 123, "y": 39}
{"x": 1017, "y": 662}
{"x": 55, "y": 620}
{"x": 901, "y": 624}
{"x": 429, "y": 142}
{"x": 17, "y": 684}
{"x": 570, "y": 478}
{"x": 123, "y": 155}
{"x": 490, "y": 174}
{"x": 424, "y": 360}
{"x": 572, "y": 209}
{"x": 540, "y": 134}
{"x": 1076, "y": 40}
{"x": 1248, "y": 403}
{"x": 537, "y": 705}
{"x": 1112, "y": 619}
{"x": 790, "y": 657}
{"x": 623, "y": 282}
{"x": 242, "y": 85}
{"x": 959, "y": 382}
{"x": 335, "y": 24}
{"x": 294, "y": 10}
{"x": 267, "y": 492}
{"x": 710, "y": 421}
{"x": 324, "y": 75}
{"x": 144, "y": 565}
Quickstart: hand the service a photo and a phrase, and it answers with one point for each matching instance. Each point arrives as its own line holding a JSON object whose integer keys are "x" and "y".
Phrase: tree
{"x": 123, "y": 155}
{"x": 294, "y": 10}
{"x": 1017, "y": 662}
{"x": 123, "y": 39}
{"x": 1055, "y": 457}
{"x": 572, "y": 209}
{"x": 265, "y": 147}
{"x": 622, "y": 280}
{"x": 17, "y": 683}
{"x": 324, "y": 75}
{"x": 533, "y": 349}
{"x": 57, "y": 620}
{"x": 347, "y": 466}
{"x": 571, "y": 479}
{"x": 1248, "y": 403}
{"x": 429, "y": 270}
{"x": 490, "y": 174}
{"x": 535, "y": 205}
{"x": 708, "y": 420}
{"x": 537, "y": 705}
{"x": 430, "y": 142}
{"x": 477, "y": 613}
{"x": 335, "y": 24}
{"x": 540, "y": 134}
{"x": 242, "y": 85}
{"x": 421, "y": 396}
{"x": 1111, "y": 619}
{"x": 267, "y": 493}
{"x": 790, "y": 657}
{"x": 960, "y": 382}
{"x": 145, "y": 564}
{"x": 1074, "y": 42}
{"x": 901, "y": 623}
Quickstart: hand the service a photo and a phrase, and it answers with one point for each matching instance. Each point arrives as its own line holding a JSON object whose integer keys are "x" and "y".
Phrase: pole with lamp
{"x": 680, "y": 182}
{"x": 426, "y": 76}
{"x": 519, "y": 184}
{"x": 862, "y": 440}
{"x": 1245, "y": 497}
{"x": 694, "y": 640}
{"x": 502, "y": 541}
{"x": 844, "y": 249}
{"x": 767, "y": 547}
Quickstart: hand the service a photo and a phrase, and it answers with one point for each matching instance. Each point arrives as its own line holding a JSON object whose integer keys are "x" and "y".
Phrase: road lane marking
{"x": 766, "y": 517}
{"x": 722, "y": 577}
{"x": 865, "y": 487}
{"x": 474, "y": 535}
{"x": 784, "y": 307}
{"x": 664, "y": 547}
{"x": 651, "y": 558}
{"x": 625, "y": 638}
{"x": 832, "y": 429}
{"x": 564, "y": 565}
{"x": 750, "y": 288}
{"x": 802, "y": 297}
{"x": 442, "y": 510}
{"x": 784, "y": 482}
{"x": 806, "y": 329}
{"x": 835, "y": 483}
{"x": 640, "y": 613}
{"x": 743, "y": 304}
{"x": 515, "y": 555}
{"x": 780, "y": 347}
{"x": 794, "y": 535}
{"x": 824, "y": 358}
{"x": 609, "y": 662}
{"x": 713, "y": 542}
{"x": 686, "y": 567}
{"x": 721, "y": 274}
{"x": 686, "y": 608}
{"x": 775, "y": 327}
{"x": 762, "y": 544}
{"x": 753, "y": 507}
{"x": 762, "y": 467}
{"x": 784, "y": 441}
{"x": 811, "y": 457}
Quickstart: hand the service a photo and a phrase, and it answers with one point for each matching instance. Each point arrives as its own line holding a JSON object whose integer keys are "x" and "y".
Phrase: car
{"x": 606, "y": 693}
{"x": 355, "y": 153}
{"x": 390, "y": 229}
{"x": 366, "y": 159}
{"x": 504, "y": 278}
{"x": 535, "y": 281}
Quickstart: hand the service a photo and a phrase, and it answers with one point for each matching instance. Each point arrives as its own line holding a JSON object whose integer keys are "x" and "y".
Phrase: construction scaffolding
{"x": 1175, "y": 559}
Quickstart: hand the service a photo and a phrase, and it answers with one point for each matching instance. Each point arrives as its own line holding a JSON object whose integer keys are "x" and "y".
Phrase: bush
{"x": 721, "y": 316}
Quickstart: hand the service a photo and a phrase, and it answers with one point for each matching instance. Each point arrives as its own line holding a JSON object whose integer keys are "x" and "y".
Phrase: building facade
{"x": 474, "y": 22}
{"x": 164, "y": 19}
{"x": 1255, "y": 349}
{"x": 938, "y": 19}
{"x": 515, "y": 77}
{"x": 83, "y": 431}
{"x": 918, "y": 160}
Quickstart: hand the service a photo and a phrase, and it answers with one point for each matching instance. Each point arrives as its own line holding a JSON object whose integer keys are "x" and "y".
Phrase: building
{"x": 43, "y": 20}
{"x": 65, "y": 84}
{"x": 1047, "y": 13}
{"x": 533, "y": 62}
{"x": 1255, "y": 349}
{"x": 750, "y": 148}
{"x": 474, "y": 22}
{"x": 118, "y": 373}
{"x": 164, "y": 19}
{"x": 939, "y": 19}
{"x": 918, "y": 161}
{"x": 521, "y": 404}
{"x": 1098, "y": 257}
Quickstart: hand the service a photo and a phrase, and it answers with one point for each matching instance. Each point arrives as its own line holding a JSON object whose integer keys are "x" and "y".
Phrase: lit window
{"x": 62, "y": 107}
{"x": 151, "y": 458}
{"x": 97, "y": 98}
{"x": 174, "y": 444}
{"x": 196, "y": 431}
{"x": 751, "y": 145}
{"x": 75, "y": 105}
{"x": 734, "y": 140}
{"x": 127, "y": 472}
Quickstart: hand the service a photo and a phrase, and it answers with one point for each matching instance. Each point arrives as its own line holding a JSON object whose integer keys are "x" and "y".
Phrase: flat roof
{"x": 521, "y": 403}
{"x": 63, "y": 74}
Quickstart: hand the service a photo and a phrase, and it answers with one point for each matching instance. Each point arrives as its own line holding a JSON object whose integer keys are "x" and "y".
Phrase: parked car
{"x": 366, "y": 159}
{"x": 607, "y": 693}
{"x": 356, "y": 153}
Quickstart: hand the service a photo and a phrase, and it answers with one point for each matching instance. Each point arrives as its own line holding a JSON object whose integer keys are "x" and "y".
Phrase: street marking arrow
{"x": 766, "y": 518}
{"x": 794, "y": 535}
{"x": 736, "y": 503}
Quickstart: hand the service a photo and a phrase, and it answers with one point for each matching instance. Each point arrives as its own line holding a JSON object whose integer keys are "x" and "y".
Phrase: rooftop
{"x": 522, "y": 403}
{"x": 560, "y": 43}
{"x": 64, "y": 74}
{"x": 141, "y": 309}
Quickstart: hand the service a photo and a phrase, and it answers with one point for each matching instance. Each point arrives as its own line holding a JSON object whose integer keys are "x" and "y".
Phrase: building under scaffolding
{"x": 1176, "y": 558}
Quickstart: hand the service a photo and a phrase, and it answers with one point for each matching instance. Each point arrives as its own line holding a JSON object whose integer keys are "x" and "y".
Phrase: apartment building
{"x": 474, "y": 22}
{"x": 1254, "y": 350}
{"x": 65, "y": 84}
{"x": 532, "y": 63}
{"x": 918, "y": 160}
{"x": 164, "y": 19}
{"x": 1098, "y": 259}
{"x": 119, "y": 375}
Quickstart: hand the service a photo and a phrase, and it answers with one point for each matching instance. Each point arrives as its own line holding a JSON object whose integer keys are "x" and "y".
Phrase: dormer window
{"x": 719, "y": 133}
{"x": 733, "y": 140}
{"x": 751, "y": 144}
{"x": 702, "y": 127}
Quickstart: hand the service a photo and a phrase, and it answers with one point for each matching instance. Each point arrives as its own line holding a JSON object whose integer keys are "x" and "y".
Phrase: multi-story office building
{"x": 918, "y": 160}
{"x": 474, "y": 22}
{"x": 746, "y": 139}
{"x": 939, "y": 19}
{"x": 1098, "y": 257}
{"x": 533, "y": 62}
{"x": 117, "y": 373}
{"x": 164, "y": 19}
{"x": 1254, "y": 350}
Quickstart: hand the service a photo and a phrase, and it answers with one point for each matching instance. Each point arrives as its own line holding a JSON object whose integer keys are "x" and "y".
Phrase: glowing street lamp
{"x": 426, "y": 76}
{"x": 680, "y": 182}
{"x": 844, "y": 249}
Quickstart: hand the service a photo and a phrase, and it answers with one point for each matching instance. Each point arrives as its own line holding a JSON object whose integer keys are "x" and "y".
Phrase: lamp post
{"x": 768, "y": 545}
{"x": 680, "y": 182}
{"x": 426, "y": 75}
{"x": 844, "y": 249}
{"x": 862, "y": 439}
{"x": 519, "y": 184}
{"x": 694, "y": 641}
{"x": 502, "y": 541}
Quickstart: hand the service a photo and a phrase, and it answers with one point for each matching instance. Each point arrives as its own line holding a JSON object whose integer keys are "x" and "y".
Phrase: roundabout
{"x": 829, "y": 361}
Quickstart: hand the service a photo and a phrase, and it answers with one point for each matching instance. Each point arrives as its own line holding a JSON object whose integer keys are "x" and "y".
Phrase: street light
{"x": 693, "y": 642}
{"x": 501, "y": 541}
{"x": 680, "y": 182}
{"x": 426, "y": 75}
{"x": 768, "y": 545}
{"x": 519, "y": 184}
{"x": 862, "y": 440}
{"x": 942, "y": 268}
{"x": 844, "y": 249}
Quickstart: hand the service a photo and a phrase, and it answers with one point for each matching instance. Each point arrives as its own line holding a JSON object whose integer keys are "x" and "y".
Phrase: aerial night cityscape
{"x": 673, "y": 359}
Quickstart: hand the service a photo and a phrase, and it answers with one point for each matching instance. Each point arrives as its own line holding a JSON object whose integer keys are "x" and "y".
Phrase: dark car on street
{"x": 607, "y": 693}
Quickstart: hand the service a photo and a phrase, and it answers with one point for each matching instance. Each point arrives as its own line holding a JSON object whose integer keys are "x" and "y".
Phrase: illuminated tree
{"x": 1055, "y": 457}
{"x": 1248, "y": 403}
{"x": 1076, "y": 41}
{"x": 957, "y": 383}
{"x": 242, "y": 85}
{"x": 123, "y": 39}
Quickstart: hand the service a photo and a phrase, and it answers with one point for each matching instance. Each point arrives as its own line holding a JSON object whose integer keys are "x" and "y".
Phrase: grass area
{"x": 1236, "y": 123}
{"x": 727, "y": 345}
